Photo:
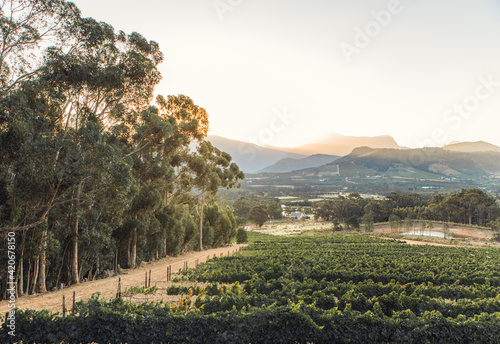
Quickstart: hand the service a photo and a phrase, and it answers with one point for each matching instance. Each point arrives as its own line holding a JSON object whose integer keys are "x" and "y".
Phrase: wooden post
{"x": 64, "y": 306}
{"x": 74, "y": 297}
{"x": 7, "y": 314}
{"x": 146, "y": 280}
{"x": 149, "y": 281}
{"x": 119, "y": 290}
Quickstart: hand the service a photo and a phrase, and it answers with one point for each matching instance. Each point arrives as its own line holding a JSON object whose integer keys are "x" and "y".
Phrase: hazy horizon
{"x": 287, "y": 72}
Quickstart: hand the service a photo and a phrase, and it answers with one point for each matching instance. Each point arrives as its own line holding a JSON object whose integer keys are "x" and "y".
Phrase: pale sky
{"x": 287, "y": 72}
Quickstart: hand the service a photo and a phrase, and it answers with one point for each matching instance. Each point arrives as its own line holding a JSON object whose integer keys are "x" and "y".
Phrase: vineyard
{"x": 314, "y": 289}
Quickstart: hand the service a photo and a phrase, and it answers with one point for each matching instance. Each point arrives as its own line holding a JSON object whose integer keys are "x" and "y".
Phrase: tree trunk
{"x": 200, "y": 214}
{"x": 74, "y": 263}
{"x": 41, "y": 285}
{"x": 19, "y": 280}
{"x": 157, "y": 253}
{"x": 200, "y": 228}
{"x": 129, "y": 248}
{"x": 133, "y": 253}
{"x": 165, "y": 247}
{"x": 28, "y": 278}
{"x": 36, "y": 265}
{"x": 115, "y": 268}
{"x": 20, "y": 283}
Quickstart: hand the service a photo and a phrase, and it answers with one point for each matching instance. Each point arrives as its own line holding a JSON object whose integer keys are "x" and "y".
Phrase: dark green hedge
{"x": 120, "y": 322}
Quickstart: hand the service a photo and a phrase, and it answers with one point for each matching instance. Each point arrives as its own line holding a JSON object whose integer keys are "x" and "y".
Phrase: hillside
{"x": 251, "y": 157}
{"x": 430, "y": 160}
{"x": 291, "y": 164}
{"x": 470, "y": 147}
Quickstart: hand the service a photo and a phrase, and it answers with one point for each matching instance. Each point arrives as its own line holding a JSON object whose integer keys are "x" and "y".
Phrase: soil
{"x": 130, "y": 277}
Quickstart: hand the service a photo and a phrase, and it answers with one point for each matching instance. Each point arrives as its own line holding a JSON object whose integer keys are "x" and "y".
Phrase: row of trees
{"x": 471, "y": 206}
{"x": 92, "y": 176}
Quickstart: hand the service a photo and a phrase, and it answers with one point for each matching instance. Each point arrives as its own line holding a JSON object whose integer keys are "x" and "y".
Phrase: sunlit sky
{"x": 287, "y": 72}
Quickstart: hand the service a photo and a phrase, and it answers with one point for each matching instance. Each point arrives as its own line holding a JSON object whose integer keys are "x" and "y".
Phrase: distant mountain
{"x": 248, "y": 156}
{"x": 335, "y": 144}
{"x": 469, "y": 147}
{"x": 291, "y": 164}
{"x": 435, "y": 161}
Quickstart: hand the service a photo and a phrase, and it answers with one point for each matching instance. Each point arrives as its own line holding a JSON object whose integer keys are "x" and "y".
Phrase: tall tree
{"x": 210, "y": 170}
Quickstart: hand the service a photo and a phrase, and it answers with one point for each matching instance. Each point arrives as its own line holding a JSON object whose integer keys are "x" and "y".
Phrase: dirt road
{"x": 108, "y": 286}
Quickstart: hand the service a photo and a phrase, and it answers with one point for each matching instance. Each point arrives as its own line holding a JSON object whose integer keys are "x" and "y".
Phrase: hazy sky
{"x": 286, "y": 72}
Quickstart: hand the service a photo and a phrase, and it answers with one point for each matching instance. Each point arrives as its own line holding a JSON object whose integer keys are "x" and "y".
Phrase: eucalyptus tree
{"x": 209, "y": 170}
{"x": 87, "y": 165}
{"x": 26, "y": 26}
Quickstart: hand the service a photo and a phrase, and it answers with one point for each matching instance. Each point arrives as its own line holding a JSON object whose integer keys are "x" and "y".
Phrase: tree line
{"x": 95, "y": 174}
{"x": 468, "y": 206}
{"x": 256, "y": 210}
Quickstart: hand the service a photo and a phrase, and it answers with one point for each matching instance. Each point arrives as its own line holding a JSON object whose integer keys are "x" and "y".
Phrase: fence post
{"x": 146, "y": 280}
{"x": 119, "y": 290}
{"x": 74, "y": 297}
{"x": 64, "y": 306}
{"x": 149, "y": 281}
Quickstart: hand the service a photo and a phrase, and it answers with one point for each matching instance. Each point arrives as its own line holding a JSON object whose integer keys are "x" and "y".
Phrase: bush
{"x": 241, "y": 236}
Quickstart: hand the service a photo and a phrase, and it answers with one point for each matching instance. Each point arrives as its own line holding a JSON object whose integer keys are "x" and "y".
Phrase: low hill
{"x": 291, "y": 164}
{"x": 470, "y": 147}
{"x": 248, "y": 156}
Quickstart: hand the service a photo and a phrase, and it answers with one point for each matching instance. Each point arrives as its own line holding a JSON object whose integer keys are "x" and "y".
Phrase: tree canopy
{"x": 95, "y": 173}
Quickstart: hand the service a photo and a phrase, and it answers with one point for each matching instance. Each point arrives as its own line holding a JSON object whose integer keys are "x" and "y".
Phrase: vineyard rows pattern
{"x": 323, "y": 289}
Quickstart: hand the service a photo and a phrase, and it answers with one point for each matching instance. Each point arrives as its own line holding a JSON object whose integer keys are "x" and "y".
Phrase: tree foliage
{"x": 471, "y": 206}
{"x": 94, "y": 174}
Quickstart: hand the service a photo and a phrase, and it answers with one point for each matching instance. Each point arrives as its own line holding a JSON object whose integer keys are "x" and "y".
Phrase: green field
{"x": 320, "y": 289}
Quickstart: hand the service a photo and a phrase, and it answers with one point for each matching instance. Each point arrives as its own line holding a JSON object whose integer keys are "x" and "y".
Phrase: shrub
{"x": 241, "y": 236}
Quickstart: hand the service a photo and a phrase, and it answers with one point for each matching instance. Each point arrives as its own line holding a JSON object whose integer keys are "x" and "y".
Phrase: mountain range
{"x": 338, "y": 154}
{"x": 336, "y": 144}
{"x": 250, "y": 157}
{"x": 430, "y": 160}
